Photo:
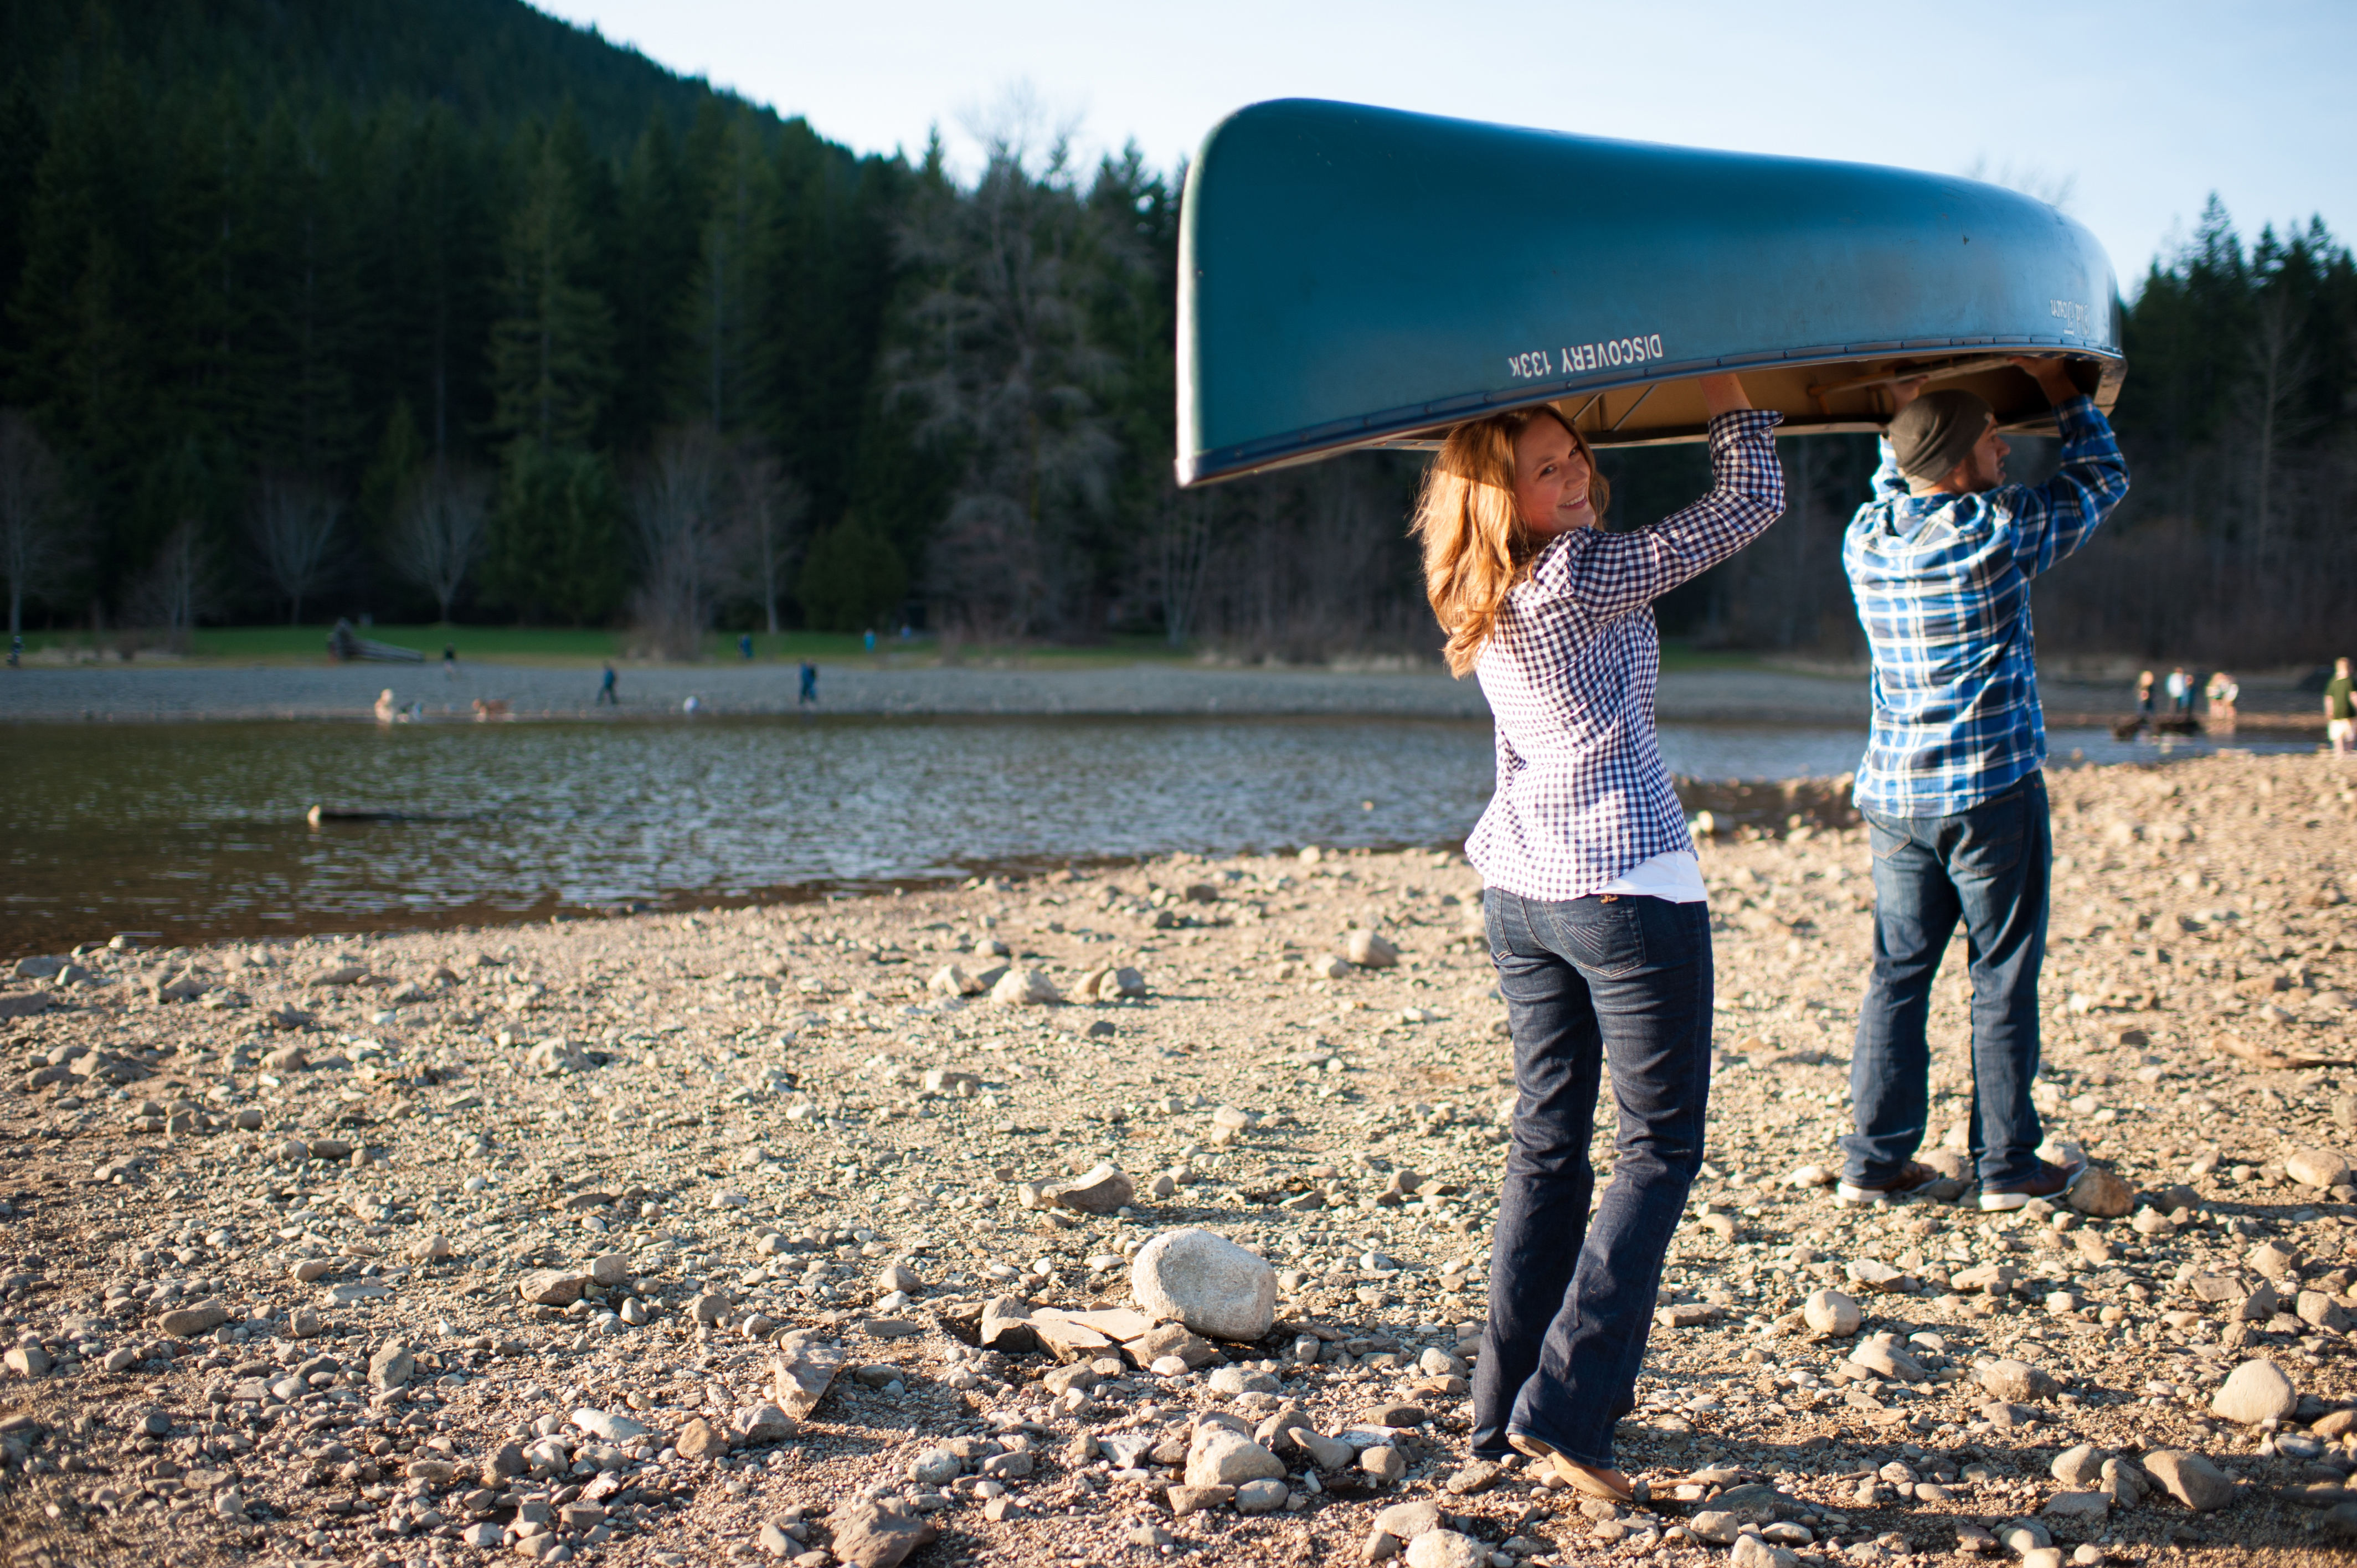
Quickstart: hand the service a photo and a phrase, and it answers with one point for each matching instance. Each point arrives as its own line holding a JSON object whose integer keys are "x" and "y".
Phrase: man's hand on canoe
{"x": 2052, "y": 376}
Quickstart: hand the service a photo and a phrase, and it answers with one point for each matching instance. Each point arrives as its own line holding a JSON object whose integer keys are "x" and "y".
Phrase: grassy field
{"x": 570, "y": 646}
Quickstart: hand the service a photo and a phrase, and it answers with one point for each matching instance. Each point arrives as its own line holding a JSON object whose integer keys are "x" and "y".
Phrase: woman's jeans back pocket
{"x": 1603, "y": 933}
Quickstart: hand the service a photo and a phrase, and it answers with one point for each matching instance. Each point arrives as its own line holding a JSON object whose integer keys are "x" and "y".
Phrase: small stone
{"x": 2315, "y": 1308}
{"x": 1384, "y": 1463}
{"x": 2256, "y": 1391}
{"x": 28, "y": 1361}
{"x": 1716, "y": 1525}
{"x": 1751, "y": 1551}
{"x": 391, "y": 1367}
{"x": 764, "y": 1423}
{"x": 432, "y": 1249}
{"x": 897, "y": 1277}
{"x": 1877, "y": 1275}
{"x": 935, "y": 1468}
{"x": 1184, "y": 1500}
{"x": 2086, "y": 1508}
{"x": 551, "y": 1287}
{"x": 1261, "y": 1496}
{"x": 1220, "y": 1457}
{"x": 1104, "y": 1189}
{"x": 1369, "y": 949}
{"x": 2191, "y": 1479}
{"x": 2025, "y": 1536}
{"x": 2079, "y": 1466}
{"x": 699, "y": 1439}
{"x": 1446, "y": 1549}
{"x": 709, "y": 1308}
{"x": 2099, "y": 1192}
{"x": 1832, "y": 1313}
{"x": 2017, "y": 1382}
{"x": 877, "y": 1535}
{"x": 2316, "y": 1167}
{"x": 951, "y": 980}
{"x": 1024, "y": 987}
{"x": 1208, "y": 1283}
{"x": 1888, "y": 1361}
{"x": 608, "y": 1270}
{"x": 1405, "y": 1522}
{"x": 607, "y": 1427}
{"x": 2273, "y": 1260}
{"x": 188, "y": 1322}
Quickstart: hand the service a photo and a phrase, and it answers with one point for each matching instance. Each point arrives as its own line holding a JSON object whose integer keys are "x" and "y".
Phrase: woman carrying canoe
{"x": 1595, "y": 903}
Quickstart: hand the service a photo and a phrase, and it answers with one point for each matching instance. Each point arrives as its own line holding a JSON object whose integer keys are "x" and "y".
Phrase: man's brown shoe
{"x": 1913, "y": 1177}
{"x": 2052, "y": 1181}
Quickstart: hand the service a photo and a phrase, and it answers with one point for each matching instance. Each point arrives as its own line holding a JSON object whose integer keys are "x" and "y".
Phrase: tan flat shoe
{"x": 1610, "y": 1485}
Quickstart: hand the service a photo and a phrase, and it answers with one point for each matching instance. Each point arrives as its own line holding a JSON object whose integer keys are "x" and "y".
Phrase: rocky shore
{"x": 797, "y": 1233}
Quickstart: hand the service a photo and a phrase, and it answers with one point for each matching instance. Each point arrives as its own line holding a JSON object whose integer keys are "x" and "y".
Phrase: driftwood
{"x": 344, "y": 643}
{"x": 2268, "y": 1056}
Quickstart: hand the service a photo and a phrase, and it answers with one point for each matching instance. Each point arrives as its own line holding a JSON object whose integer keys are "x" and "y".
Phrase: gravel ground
{"x": 275, "y": 1214}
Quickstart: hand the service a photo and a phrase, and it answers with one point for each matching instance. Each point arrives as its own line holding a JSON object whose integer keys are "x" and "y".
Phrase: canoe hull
{"x": 1354, "y": 277}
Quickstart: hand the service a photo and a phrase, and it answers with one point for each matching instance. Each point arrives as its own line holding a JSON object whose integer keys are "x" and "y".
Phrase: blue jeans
{"x": 1991, "y": 867}
{"x": 1623, "y": 980}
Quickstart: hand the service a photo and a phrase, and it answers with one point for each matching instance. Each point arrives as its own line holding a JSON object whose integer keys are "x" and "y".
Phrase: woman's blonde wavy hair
{"x": 1476, "y": 544}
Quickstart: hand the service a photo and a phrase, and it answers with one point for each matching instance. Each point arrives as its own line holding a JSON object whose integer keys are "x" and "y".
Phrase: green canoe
{"x": 1356, "y": 277}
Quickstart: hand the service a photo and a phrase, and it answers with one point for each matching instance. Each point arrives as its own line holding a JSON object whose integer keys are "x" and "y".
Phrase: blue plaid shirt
{"x": 1943, "y": 590}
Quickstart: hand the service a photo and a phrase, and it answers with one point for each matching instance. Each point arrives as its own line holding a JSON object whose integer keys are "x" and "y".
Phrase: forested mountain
{"x": 444, "y": 307}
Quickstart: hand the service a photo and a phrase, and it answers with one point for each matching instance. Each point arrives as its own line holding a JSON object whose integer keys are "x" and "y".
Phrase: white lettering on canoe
{"x": 1610, "y": 354}
{"x": 2070, "y": 311}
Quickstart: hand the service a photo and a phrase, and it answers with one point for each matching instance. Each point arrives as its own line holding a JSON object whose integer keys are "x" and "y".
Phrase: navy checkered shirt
{"x": 1943, "y": 590}
{"x": 1570, "y": 672}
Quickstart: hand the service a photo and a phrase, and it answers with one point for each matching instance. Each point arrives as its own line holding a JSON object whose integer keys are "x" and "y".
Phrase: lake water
{"x": 196, "y": 831}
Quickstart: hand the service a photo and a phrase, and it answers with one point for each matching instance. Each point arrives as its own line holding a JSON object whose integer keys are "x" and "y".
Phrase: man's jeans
{"x": 1992, "y": 867}
{"x": 1619, "y": 979}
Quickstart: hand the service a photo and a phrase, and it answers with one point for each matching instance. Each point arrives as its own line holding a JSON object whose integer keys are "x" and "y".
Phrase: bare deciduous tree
{"x": 769, "y": 505}
{"x": 295, "y": 532}
{"x": 36, "y": 549}
{"x": 1182, "y": 556}
{"x": 176, "y": 587}
{"x": 439, "y": 530}
{"x": 678, "y": 510}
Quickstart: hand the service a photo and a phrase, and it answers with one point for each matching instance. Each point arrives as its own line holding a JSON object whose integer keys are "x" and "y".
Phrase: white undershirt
{"x": 1674, "y": 875}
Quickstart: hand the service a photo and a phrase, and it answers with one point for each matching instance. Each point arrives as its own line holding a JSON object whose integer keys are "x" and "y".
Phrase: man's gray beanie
{"x": 1933, "y": 434}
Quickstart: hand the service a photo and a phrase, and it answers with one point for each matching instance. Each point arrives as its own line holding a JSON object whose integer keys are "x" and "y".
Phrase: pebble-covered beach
{"x": 796, "y": 1233}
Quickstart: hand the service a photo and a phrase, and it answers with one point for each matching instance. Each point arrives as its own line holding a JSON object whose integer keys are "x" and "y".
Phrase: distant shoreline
{"x": 135, "y": 694}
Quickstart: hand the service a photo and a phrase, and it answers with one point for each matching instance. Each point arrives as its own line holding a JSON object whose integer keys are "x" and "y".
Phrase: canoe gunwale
{"x": 1421, "y": 427}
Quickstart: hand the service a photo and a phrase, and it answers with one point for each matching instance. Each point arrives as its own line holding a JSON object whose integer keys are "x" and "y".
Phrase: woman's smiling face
{"x": 1551, "y": 479}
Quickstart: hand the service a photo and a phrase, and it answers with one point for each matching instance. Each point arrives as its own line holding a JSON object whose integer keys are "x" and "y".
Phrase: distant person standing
{"x": 2340, "y": 710}
{"x": 745, "y": 646}
{"x": 1953, "y": 786}
{"x": 606, "y": 687}
{"x": 869, "y": 639}
{"x": 2144, "y": 697}
{"x": 2223, "y": 693}
{"x": 810, "y": 684}
{"x": 2181, "y": 692}
{"x": 17, "y": 652}
{"x": 450, "y": 661}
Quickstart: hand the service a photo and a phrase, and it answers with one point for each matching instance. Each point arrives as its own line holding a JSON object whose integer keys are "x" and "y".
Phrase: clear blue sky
{"x": 2144, "y": 108}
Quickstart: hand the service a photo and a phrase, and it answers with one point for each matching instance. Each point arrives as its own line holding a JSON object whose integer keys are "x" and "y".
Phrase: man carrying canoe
{"x": 1952, "y": 786}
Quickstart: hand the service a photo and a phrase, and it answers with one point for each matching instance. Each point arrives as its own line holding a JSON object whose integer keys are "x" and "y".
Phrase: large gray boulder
{"x": 1206, "y": 1282}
